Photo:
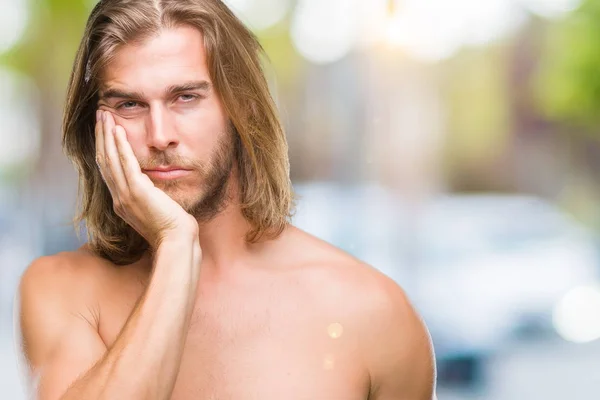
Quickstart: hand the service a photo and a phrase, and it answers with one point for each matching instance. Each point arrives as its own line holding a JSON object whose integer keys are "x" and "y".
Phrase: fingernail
{"x": 98, "y": 115}
{"x": 103, "y": 116}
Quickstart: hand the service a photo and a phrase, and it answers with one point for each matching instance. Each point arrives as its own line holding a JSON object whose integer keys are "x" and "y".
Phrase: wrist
{"x": 179, "y": 246}
{"x": 180, "y": 234}
{"x": 178, "y": 237}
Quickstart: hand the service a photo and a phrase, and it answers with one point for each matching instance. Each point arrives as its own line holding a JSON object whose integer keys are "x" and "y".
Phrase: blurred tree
{"x": 475, "y": 87}
{"x": 47, "y": 49}
{"x": 567, "y": 90}
{"x": 568, "y": 83}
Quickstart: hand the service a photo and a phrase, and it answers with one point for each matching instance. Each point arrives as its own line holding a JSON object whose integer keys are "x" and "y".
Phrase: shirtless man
{"x": 193, "y": 284}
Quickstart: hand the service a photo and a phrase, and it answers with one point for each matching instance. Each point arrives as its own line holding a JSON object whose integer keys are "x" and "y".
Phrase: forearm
{"x": 144, "y": 361}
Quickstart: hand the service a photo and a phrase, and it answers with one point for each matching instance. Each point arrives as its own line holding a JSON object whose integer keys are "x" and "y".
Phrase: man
{"x": 193, "y": 284}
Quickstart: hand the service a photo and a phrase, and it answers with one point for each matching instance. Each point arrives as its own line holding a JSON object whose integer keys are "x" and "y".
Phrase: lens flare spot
{"x": 335, "y": 330}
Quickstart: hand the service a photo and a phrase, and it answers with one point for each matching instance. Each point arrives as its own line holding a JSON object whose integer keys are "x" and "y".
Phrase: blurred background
{"x": 454, "y": 145}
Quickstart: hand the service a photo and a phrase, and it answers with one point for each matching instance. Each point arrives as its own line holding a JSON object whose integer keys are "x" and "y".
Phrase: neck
{"x": 223, "y": 238}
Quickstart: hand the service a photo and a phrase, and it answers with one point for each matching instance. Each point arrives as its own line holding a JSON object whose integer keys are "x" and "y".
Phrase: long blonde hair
{"x": 234, "y": 63}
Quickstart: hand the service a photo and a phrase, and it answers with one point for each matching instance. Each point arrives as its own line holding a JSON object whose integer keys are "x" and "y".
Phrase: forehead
{"x": 168, "y": 58}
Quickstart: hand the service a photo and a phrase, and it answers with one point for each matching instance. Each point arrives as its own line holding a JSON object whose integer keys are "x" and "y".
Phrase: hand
{"x": 146, "y": 208}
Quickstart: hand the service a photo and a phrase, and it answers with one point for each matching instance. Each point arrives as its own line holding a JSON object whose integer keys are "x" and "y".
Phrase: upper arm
{"x": 399, "y": 352}
{"x": 59, "y": 339}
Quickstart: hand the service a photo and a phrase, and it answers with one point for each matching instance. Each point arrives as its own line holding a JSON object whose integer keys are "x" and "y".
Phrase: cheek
{"x": 201, "y": 126}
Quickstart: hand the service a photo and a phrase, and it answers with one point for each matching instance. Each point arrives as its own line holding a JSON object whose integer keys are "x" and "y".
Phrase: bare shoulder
{"x": 57, "y": 314}
{"x": 394, "y": 340}
{"x": 52, "y": 289}
{"x": 397, "y": 346}
{"x": 360, "y": 285}
{"x": 68, "y": 276}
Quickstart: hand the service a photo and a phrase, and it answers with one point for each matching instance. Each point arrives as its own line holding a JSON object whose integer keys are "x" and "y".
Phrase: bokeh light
{"x": 432, "y": 30}
{"x": 577, "y": 315}
{"x": 13, "y": 21}
{"x": 260, "y": 14}
{"x": 20, "y": 133}
{"x": 551, "y": 8}
{"x": 324, "y": 32}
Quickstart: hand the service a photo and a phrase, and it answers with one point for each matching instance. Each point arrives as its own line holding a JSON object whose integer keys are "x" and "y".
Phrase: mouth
{"x": 166, "y": 173}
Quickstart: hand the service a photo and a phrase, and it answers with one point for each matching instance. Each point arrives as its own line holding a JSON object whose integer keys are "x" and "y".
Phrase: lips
{"x": 166, "y": 168}
{"x": 167, "y": 172}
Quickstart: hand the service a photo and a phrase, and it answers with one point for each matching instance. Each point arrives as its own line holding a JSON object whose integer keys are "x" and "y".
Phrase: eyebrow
{"x": 185, "y": 87}
{"x": 114, "y": 93}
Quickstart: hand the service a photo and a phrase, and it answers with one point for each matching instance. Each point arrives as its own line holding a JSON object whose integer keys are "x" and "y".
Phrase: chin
{"x": 188, "y": 201}
{"x": 185, "y": 198}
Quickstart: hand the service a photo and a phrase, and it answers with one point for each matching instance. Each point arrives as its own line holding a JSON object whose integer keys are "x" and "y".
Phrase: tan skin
{"x": 289, "y": 318}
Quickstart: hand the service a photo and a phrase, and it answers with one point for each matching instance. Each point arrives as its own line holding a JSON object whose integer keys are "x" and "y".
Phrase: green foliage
{"x": 45, "y": 55}
{"x": 47, "y": 49}
{"x": 475, "y": 90}
{"x": 568, "y": 83}
{"x": 282, "y": 57}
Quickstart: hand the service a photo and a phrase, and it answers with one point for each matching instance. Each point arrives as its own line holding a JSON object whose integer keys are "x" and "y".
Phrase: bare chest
{"x": 268, "y": 345}
{"x": 269, "y": 352}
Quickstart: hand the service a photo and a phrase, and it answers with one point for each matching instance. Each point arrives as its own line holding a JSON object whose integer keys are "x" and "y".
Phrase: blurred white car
{"x": 479, "y": 268}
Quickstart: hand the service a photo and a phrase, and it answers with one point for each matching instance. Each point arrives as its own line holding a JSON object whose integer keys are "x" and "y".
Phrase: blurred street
{"x": 539, "y": 371}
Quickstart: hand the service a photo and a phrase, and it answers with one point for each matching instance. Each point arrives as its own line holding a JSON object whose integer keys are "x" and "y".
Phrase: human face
{"x": 160, "y": 91}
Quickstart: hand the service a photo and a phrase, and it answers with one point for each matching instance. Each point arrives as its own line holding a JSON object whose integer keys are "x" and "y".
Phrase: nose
{"x": 160, "y": 129}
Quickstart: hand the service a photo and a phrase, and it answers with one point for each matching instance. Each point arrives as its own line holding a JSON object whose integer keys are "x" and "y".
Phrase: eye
{"x": 127, "y": 105}
{"x": 186, "y": 98}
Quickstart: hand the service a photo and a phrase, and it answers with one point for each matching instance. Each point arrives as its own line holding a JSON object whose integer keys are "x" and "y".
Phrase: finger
{"x": 112, "y": 155}
{"x": 129, "y": 163}
{"x": 99, "y": 138}
{"x": 100, "y": 154}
